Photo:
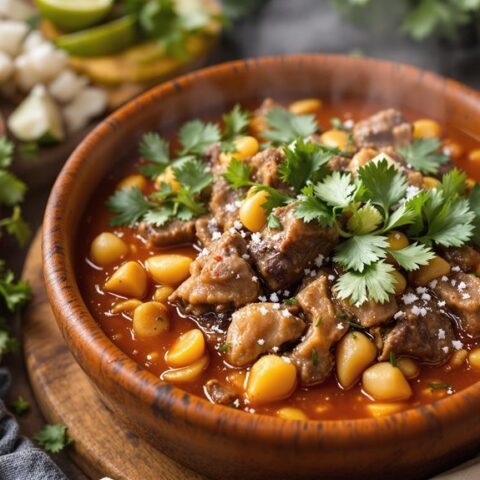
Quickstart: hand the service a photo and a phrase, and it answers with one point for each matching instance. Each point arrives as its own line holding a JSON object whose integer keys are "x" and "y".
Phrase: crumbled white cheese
{"x": 465, "y": 296}
{"x": 256, "y": 237}
{"x": 286, "y": 313}
{"x": 263, "y": 310}
{"x": 456, "y": 268}
{"x": 262, "y": 298}
{"x": 444, "y": 278}
{"x": 216, "y": 235}
{"x": 331, "y": 277}
{"x": 340, "y": 326}
{"x": 445, "y": 349}
{"x": 457, "y": 344}
{"x": 274, "y": 297}
{"x": 261, "y": 341}
{"x": 462, "y": 286}
{"x": 441, "y": 303}
{"x": 238, "y": 225}
{"x": 409, "y": 298}
{"x": 433, "y": 283}
{"x": 319, "y": 260}
{"x": 441, "y": 334}
{"x": 399, "y": 314}
{"x": 276, "y": 306}
{"x": 426, "y": 297}
{"x": 255, "y": 279}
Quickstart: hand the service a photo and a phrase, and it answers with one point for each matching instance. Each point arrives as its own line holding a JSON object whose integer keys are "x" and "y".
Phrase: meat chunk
{"x": 466, "y": 257}
{"x": 221, "y": 393}
{"x": 265, "y": 165}
{"x": 387, "y": 127}
{"x": 259, "y": 328}
{"x": 422, "y": 331}
{"x": 281, "y": 256}
{"x": 225, "y": 203}
{"x": 461, "y": 292}
{"x": 220, "y": 279}
{"x": 258, "y": 123}
{"x": 173, "y": 233}
{"x": 206, "y": 230}
{"x": 312, "y": 355}
{"x": 370, "y": 314}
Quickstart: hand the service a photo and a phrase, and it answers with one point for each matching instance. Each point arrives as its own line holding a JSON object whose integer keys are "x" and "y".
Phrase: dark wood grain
{"x": 103, "y": 446}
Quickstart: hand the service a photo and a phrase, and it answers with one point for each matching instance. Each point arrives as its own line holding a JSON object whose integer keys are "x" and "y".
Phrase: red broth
{"x": 325, "y": 401}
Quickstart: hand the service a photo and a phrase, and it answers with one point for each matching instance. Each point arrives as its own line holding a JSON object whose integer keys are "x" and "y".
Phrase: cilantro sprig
{"x": 285, "y": 127}
{"x": 53, "y": 438}
{"x": 424, "y": 155}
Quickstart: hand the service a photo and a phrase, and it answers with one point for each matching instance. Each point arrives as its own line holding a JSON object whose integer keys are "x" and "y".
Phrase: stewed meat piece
{"x": 259, "y": 328}
{"x": 265, "y": 166}
{"x": 422, "y": 331}
{"x": 461, "y": 293}
{"x": 370, "y": 314}
{"x": 225, "y": 203}
{"x": 466, "y": 257}
{"x": 281, "y": 256}
{"x": 221, "y": 278}
{"x": 173, "y": 233}
{"x": 207, "y": 230}
{"x": 385, "y": 128}
{"x": 221, "y": 393}
{"x": 312, "y": 355}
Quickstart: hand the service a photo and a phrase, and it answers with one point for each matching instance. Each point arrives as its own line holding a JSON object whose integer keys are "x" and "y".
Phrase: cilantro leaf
{"x": 275, "y": 197}
{"x": 310, "y": 209}
{"x": 337, "y": 123}
{"x": 376, "y": 282}
{"x": 365, "y": 220}
{"x": 423, "y": 154}
{"x": 20, "y": 405}
{"x": 410, "y": 258}
{"x": 157, "y": 150}
{"x": 159, "y": 216}
{"x": 337, "y": 189}
{"x": 474, "y": 200}
{"x": 196, "y": 136}
{"x": 12, "y": 190}
{"x": 235, "y": 123}
{"x": 14, "y": 294}
{"x": 384, "y": 184}
{"x": 238, "y": 174}
{"x": 273, "y": 222}
{"x": 193, "y": 175}
{"x": 186, "y": 198}
{"x": 129, "y": 205}
{"x": 8, "y": 343}
{"x": 16, "y": 225}
{"x": 360, "y": 251}
{"x": 285, "y": 127}
{"x": 53, "y": 438}
{"x": 403, "y": 215}
{"x": 6, "y": 152}
{"x": 305, "y": 161}
{"x": 453, "y": 183}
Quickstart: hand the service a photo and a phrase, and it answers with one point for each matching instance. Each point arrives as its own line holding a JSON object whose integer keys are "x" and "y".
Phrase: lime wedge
{"x": 105, "y": 39}
{"x": 72, "y": 15}
{"x": 37, "y": 119}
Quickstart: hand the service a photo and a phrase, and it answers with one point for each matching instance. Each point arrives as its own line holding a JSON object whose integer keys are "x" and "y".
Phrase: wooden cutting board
{"x": 103, "y": 445}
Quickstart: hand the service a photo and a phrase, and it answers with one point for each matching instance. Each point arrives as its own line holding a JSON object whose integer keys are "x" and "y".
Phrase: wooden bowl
{"x": 218, "y": 441}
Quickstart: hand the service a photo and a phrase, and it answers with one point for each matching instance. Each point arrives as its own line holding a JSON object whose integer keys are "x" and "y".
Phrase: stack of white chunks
{"x": 57, "y": 101}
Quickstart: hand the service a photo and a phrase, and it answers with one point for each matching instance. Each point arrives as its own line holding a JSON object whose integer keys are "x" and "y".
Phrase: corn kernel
{"x": 186, "y": 374}
{"x": 162, "y": 293}
{"x": 126, "y": 306}
{"x": 107, "y": 249}
{"x": 150, "y": 319}
{"x": 252, "y": 214}
{"x": 335, "y": 139}
{"x": 133, "y": 181}
{"x": 437, "y": 267}
{"x": 169, "y": 269}
{"x": 400, "y": 282}
{"x": 429, "y": 183}
{"x": 453, "y": 149}
{"x": 397, "y": 240}
{"x": 291, "y": 413}
{"x": 474, "y": 358}
{"x": 474, "y": 158}
{"x": 168, "y": 177}
{"x": 384, "y": 382}
{"x": 408, "y": 367}
{"x": 426, "y": 128}
{"x": 458, "y": 359}
{"x": 305, "y": 106}
{"x": 130, "y": 280}
{"x": 187, "y": 349}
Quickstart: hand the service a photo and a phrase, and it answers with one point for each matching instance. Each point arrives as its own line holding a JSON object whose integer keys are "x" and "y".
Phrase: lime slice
{"x": 106, "y": 39}
{"x": 72, "y": 15}
{"x": 37, "y": 119}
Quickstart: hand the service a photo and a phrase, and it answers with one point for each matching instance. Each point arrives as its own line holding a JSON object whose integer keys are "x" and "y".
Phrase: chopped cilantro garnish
{"x": 274, "y": 222}
{"x": 223, "y": 348}
{"x": 314, "y": 357}
{"x": 410, "y": 258}
{"x": 53, "y": 438}
{"x": 290, "y": 301}
{"x": 423, "y": 154}
{"x": 285, "y": 127}
{"x": 235, "y": 123}
{"x": 393, "y": 359}
{"x": 129, "y": 205}
{"x": 360, "y": 251}
{"x": 155, "y": 149}
{"x": 337, "y": 123}
{"x": 238, "y": 174}
{"x": 196, "y": 136}
{"x": 337, "y": 190}
{"x": 20, "y": 405}
{"x": 355, "y": 325}
{"x": 14, "y": 294}
{"x": 439, "y": 386}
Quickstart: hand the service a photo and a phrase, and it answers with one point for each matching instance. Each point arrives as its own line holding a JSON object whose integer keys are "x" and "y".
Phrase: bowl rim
{"x": 83, "y": 330}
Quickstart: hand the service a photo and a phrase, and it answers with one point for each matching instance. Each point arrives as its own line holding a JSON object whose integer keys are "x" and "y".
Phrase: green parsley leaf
{"x": 384, "y": 184}
{"x": 196, "y": 136}
{"x": 403, "y": 215}
{"x": 305, "y": 162}
{"x": 157, "y": 150}
{"x": 6, "y": 152}
{"x": 238, "y": 174}
{"x": 193, "y": 175}
{"x": 290, "y": 301}
{"x": 416, "y": 205}
{"x": 376, "y": 282}
{"x": 474, "y": 200}
{"x": 20, "y": 405}
{"x": 365, "y": 220}
{"x": 337, "y": 189}
{"x": 129, "y": 205}
{"x": 15, "y": 225}
{"x": 159, "y": 216}
{"x": 360, "y": 251}
{"x": 423, "y": 154}
{"x": 393, "y": 359}
{"x": 274, "y": 223}
{"x": 223, "y": 348}
{"x": 310, "y": 208}
{"x": 53, "y": 438}
{"x": 440, "y": 386}
{"x": 12, "y": 190}
{"x": 285, "y": 127}
{"x": 192, "y": 207}
{"x": 275, "y": 197}
{"x": 314, "y": 357}
{"x": 410, "y": 258}
{"x": 453, "y": 183}
{"x": 14, "y": 294}
{"x": 235, "y": 123}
